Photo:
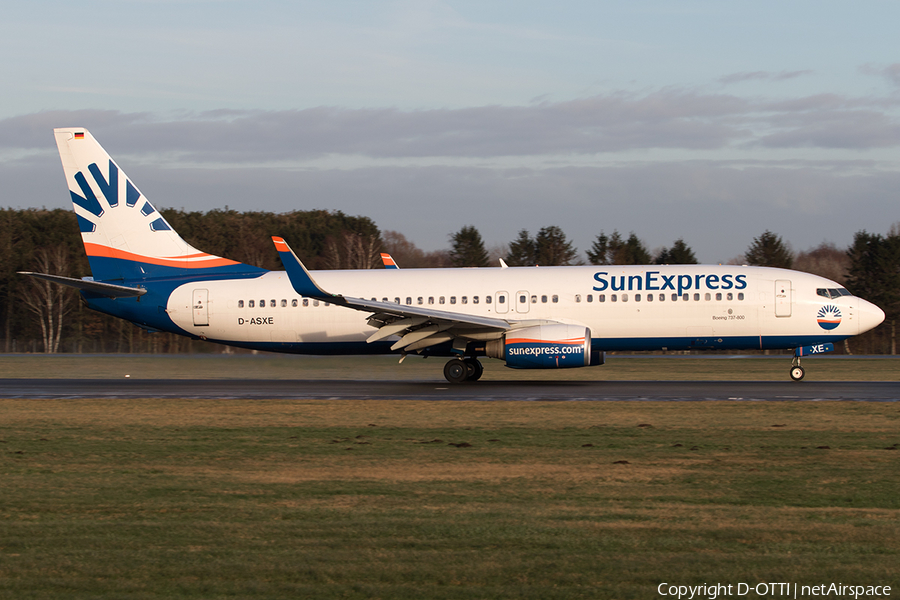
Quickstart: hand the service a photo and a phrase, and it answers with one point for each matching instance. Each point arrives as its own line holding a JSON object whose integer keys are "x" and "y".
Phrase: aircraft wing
{"x": 109, "y": 290}
{"x": 418, "y": 326}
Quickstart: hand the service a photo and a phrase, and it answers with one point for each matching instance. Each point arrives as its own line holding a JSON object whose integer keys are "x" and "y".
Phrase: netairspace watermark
{"x": 772, "y": 590}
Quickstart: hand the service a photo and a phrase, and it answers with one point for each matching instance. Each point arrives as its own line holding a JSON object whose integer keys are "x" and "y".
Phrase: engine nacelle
{"x": 555, "y": 346}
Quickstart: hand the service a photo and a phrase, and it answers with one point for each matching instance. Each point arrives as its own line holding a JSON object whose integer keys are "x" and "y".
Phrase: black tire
{"x": 476, "y": 369}
{"x": 797, "y": 373}
{"x": 456, "y": 371}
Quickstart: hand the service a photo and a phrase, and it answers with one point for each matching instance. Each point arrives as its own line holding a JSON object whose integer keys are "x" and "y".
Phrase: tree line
{"x": 41, "y": 317}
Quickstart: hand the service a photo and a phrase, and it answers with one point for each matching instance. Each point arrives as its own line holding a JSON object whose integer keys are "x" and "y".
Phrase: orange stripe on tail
{"x": 186, "y": 262}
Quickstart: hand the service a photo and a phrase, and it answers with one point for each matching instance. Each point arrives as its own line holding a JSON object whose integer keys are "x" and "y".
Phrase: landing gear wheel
{"x": 797, "y": 373}
{"x": 476, "y": 369}
{"x": 456, "y": 371}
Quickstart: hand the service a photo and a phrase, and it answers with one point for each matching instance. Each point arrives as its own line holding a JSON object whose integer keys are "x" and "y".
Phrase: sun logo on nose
{"x": 829, "y": 317}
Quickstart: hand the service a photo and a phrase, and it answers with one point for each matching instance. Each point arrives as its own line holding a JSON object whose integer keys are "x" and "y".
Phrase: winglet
{"x": 389, "y": 262}
{"x": 301, "y": 280}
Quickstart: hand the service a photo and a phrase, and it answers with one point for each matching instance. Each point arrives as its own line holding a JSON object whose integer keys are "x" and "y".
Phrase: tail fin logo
{"x": 109, "y": 189}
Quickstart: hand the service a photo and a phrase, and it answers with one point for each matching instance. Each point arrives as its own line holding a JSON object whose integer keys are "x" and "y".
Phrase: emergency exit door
{"x": 783, "y": 298}
{"x": 522, "y": 305}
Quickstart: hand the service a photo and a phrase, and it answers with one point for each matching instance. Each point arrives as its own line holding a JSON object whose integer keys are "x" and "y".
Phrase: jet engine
{"x": 554, "y": 346}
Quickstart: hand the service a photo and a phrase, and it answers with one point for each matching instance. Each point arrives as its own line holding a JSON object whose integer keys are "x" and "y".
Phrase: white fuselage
{"x": 637, "y": 308}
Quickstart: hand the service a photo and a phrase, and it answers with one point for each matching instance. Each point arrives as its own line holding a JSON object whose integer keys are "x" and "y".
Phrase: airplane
{"x": 528, "y": 317}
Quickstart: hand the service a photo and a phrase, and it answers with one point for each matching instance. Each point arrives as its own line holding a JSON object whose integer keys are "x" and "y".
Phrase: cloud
{"x": 890, "y": 72}
{"x": 670, "y": 119}
{"x": 648, "y": 163}
{"x": 762, "y": 76}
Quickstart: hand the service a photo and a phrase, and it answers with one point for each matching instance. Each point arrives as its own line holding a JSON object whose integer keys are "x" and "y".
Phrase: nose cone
{"x": 870, "y": 316}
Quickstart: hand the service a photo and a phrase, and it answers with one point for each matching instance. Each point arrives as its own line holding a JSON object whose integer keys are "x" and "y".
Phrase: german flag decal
{"x": 79, "y": 135}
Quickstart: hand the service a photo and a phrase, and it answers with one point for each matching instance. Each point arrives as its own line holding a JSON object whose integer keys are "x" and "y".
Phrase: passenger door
{"x": 501, "y": 302}
{"x": 783, "y": 298}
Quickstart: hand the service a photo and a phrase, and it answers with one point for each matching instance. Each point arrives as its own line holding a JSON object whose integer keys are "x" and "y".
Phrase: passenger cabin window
{"x": 294, "y": 303}
{"x": 729, "y": 296}
{"x": 601, "y": 298}
{"x": 420, "y": 300}
{"x": 452, "y": 299}
{"x": 464, "y": 300}
{"x": 718, "y": 296}
{"x": 590, "y": 297}
{"x": 534, "y": 298}
{"x": 740, "y": 295}
{"x": 544, "y": 299}
{"x": 674, "y": 297}
{"x": 487, "y": 299}
{"x": 662, "y": 297}
{"x": 441, "y": 300}
{"x": 240, "y": 304}
{"x": 306, "y": 302}
{"x": 262, "y": 303}
{"x": 577, "y": 297}
{"x": 649, "y": 297}
{"x": 501, "y": 299}
{"x": 474, "y": 299}
{"x": 523, "y": 299}
{"x": 430, "y": 299}
{"x": 396, "y": 300}
{"x": 554, "y": 298}
{"x": 696, "y": 297}
{"x": 315, "y": 302}
{"x": 251, "y": 304}
{"x": 637, "y": 297}
{"x": 613, "y": 297}
{"x": 624, "y": 297}
{"x": 272, "y": 303}
{"x": 408, "y": 300}
{"x": 283, "y": 303}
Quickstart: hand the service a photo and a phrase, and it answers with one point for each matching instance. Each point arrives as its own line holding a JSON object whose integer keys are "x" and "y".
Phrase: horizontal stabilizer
{"x": 104, "y": 289}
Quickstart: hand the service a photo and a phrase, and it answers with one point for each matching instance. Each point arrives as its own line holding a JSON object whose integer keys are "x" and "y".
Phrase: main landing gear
{"x": 458, "y": 370}
{"x": 797, "y": 371}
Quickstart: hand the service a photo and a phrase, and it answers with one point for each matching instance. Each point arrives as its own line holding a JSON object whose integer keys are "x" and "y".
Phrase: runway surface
{"x": 438, "y": 390}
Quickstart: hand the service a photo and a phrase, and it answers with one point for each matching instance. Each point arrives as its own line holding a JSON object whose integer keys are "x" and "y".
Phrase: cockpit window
{"x": 831, "y": 293}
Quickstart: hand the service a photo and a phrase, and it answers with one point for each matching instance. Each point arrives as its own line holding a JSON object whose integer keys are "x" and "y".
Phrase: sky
{"x": 704, "y": 120}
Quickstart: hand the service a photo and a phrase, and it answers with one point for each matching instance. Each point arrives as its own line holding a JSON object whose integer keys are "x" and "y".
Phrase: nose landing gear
{"x": 797, "y": 371}
{"x": 458, "y": 370}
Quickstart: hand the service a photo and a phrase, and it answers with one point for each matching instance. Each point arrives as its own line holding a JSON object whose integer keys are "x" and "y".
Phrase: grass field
{"x": 275, "y": 366}
{"x": 346, "y": 499}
